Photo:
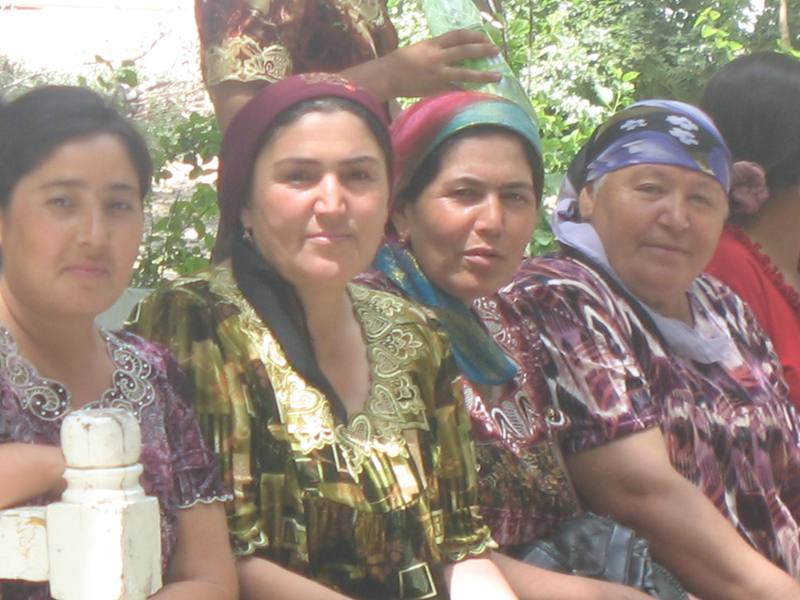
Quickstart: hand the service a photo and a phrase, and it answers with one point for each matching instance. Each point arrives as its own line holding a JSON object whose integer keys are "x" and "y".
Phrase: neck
{"x": 678, "y": 309}
{"x": 768, "y": 228}
{"x": 47, "y": 340}
{"x": 328, "y": 311}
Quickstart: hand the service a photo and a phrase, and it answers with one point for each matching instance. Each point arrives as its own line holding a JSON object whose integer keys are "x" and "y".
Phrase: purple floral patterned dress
{"x": 729, "y": 426}
{"x": 178, "y": 467}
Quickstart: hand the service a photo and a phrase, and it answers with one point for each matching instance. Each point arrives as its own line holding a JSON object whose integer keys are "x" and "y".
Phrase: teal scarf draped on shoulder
{"x": 477, "y": 355}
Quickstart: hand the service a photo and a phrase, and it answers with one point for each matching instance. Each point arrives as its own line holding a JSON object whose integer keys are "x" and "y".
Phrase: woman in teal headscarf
{"x": 468, "y": 182}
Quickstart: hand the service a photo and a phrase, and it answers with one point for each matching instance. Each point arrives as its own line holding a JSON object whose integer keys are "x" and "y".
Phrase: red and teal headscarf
{"x": 416, "y": 134}
{"x": 426, "y": 125}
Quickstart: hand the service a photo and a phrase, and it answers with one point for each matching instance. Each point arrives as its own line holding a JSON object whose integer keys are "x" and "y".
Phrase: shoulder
{"x": 563, "y": 283}
{"x": 721, "y": 300}
{"x": 382, "y": 312}
{"x": 211, "y": 292}
{"x": 391, "y": 305}
{"x": 718, "y": 295}
{"x": 207, "y": 287}
{"x": 376, "y": 280}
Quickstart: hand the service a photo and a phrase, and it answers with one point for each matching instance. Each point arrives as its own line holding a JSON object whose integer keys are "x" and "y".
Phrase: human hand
{"x": 427, "y": 67}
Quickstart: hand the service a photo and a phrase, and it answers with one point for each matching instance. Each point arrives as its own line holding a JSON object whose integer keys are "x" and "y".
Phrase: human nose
{"x": 675, "y": 214}
{"x": 331, "y": 197}
{"x": 93, "y": 229}
{"x": 491, "y": 215}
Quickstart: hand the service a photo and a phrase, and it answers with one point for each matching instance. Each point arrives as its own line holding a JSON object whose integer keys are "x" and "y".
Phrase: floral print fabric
{"x": 373, "y": 507}
{"x": 728, "y": 425}
{"x": 523, "y": 487}
{"x": 178, "y": 467}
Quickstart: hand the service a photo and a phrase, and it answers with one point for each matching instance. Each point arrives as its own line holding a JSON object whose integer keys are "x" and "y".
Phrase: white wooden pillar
{"x": 102, "y": 541}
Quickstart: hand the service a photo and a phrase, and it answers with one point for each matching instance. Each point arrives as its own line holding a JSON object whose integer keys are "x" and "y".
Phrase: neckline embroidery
{"x": 394, "y": 401}
{"x": 49, "y": 400}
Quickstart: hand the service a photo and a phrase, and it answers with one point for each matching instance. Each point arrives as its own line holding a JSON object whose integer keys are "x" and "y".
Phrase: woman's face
{"x": 320, "y": 199}
{"x": 470, "y": 226}
{"x": 71, "y": 230}
{"x": 659, "y": 225}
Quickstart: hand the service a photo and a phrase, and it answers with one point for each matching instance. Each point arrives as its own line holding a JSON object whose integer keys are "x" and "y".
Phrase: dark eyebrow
{"x": 295, "y": 160}
{"x": 511, "y": 185}
{"x": 117, "y": 186}
{"x": 298, "y": 161}
{"x": 518, "y": 185}
{"x": 361, "y": 159}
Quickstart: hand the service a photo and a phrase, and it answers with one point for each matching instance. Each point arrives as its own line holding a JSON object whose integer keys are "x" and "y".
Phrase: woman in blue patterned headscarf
{"x": 680, "y": 424}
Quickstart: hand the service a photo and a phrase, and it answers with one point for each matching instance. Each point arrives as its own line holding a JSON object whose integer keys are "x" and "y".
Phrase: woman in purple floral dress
{"x": 680, "y": 423}
{"x": 73, "y": 174}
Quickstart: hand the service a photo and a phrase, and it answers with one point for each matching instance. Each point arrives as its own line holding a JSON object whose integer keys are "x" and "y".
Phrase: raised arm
{"x": 426, "y": 67}
{"x": 632, "y": 480}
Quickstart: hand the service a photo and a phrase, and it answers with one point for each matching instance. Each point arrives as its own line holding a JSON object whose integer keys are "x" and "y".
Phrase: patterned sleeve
{"x": 267, "y": 40}
{"x": 465, "y": 534}
{"x": 240, "y": 41}
{"x": 196, "y": 468}
{"x": 184, "y": 319}
{"x": 598, "y": 380}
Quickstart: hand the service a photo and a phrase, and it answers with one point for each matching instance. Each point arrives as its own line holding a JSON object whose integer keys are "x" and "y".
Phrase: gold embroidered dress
{"x": 373, "y": 507}
{"x": 267, "y": 40}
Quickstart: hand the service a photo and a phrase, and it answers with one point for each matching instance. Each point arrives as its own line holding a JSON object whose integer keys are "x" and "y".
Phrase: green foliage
{"x": 579, "y": 61}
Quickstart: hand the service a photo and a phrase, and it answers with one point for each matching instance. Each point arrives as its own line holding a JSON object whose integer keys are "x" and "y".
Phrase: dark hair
{"x": 754, "y": 101}
{"x": 34, "y": 125}
{"x": 432, "y": 164}
{"x": 331, "y": 105}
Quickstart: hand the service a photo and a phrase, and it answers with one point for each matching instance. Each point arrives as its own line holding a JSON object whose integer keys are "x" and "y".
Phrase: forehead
{"x": 484, "y": 144}
{"x": 665, "y": 173}
{"x": 325, "y": 132}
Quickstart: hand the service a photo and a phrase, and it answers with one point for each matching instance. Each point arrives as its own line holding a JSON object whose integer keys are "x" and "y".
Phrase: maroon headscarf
{"x": 273, "y": 298}
{"x": 245, "y": 136}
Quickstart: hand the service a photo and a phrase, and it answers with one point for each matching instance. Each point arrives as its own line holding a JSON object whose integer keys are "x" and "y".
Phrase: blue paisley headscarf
{"x": 664, "y": 132}
{"x": 416, "y": 133}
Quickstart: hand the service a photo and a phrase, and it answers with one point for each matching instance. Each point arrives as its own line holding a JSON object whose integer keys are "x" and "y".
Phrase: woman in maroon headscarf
{"x": 335, "y": 410}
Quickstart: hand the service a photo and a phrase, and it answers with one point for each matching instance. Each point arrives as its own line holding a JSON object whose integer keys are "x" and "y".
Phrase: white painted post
{"x": 23, "y": 544}
{"x": 104, "y": 540}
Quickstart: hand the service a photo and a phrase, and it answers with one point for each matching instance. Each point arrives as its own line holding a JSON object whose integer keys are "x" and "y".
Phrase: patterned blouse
{"x": 178, "y": 468}
{"x": 728, "y": 425}
{"x": 523, "y": 486}
{"x": 267, "y": 40}
{"x": 373, "y": 507}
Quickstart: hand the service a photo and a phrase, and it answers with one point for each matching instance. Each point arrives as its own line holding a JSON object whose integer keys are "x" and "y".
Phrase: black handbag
{"x": 593, "y": 546}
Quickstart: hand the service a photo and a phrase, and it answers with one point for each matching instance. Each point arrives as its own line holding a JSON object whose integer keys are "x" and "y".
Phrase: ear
{"x": 586, "y": 202}
{"x": 246, "y": 217}
{"x": 401, "y": 224}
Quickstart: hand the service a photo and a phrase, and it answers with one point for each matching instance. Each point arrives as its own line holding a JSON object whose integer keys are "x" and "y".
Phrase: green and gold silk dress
{"x": 374, "y": 507}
